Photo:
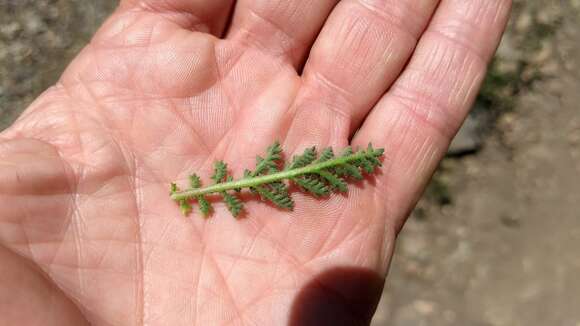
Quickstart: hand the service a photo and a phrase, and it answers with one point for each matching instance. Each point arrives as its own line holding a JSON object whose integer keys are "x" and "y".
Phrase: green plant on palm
{"x": 316, "y": 174}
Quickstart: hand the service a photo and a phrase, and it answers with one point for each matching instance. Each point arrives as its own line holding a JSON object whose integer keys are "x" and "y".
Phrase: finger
{"x": 208, "y": 16}
{"x": 284, "y": 29}
{"x": 416, "y": 120}
{"x": 361, "y": 49}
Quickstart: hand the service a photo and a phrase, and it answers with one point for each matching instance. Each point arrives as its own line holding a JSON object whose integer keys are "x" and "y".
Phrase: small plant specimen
{"x": 319, "y": 175}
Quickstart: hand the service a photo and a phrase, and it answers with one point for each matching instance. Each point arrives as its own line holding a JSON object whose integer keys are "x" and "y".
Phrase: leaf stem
{"x": 266, "y": 179}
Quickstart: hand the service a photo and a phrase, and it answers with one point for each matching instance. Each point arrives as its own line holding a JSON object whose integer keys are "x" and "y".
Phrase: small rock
{"x": 53, "y": 40}
{"x": 53, "y": 12}
{"x": 551, "y": 68}
{"x": 414, "y": 247}
{"x": 34, "y": 24}
{"x": 523, "y": 22}
{"x": 10, "y": 30}
{"x": 507, "y": 67}
{"x": 3, "y": 52}
{"x": 549, "y": 15}
{"x": 469, "y": 139}
{"x": 450, "y": 316}
{"x": 407, "y": 316}
{"x": 544, "y": 53}
{"x": 19, "y": 51}
{"x": 424, "y": 307}
{"x": 574, "y": 138}
{"x": 412, "y": 268}
{"x": 508, "y": 49}
{"x": 510, "y": 221}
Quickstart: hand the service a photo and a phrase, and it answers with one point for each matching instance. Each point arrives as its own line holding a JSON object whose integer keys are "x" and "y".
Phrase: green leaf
{"x": 374, "y": 161}
{"x": 279, "y": 187}
{"x": 335, "y": 181}
{"x": 317, "y": 176}
{"x": 279, "y": 199}
{"x": 353, "y": 171}
{"x": 220, "y": 172}
{"x": 233, "y": 204}
{"x": 303, "y": 160}
{"x": 204, "y": 205}
{"x": 313, "y": 185}
{"x": 349, "y": 170}
{"x": 366, "y": 165}
{"x": 273, "y": 155}
{"x": 347, "y": 152}
{"x": 326, "y": 155}
{"x": 185, "y": 207}
{"x": 275, "y": 151}
{"x": 174, "y": 189}
{"x": 194, "y": 181}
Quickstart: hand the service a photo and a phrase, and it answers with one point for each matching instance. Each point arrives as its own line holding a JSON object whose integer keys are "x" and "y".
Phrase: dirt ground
{"x": 496, "y": 239}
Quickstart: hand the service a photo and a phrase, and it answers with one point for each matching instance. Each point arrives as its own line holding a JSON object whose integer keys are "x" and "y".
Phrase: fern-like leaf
{"x": 233, "y": 204}
{"x": 279, "y": 199}
{"x": 303, "y": 160}
{"x": 349, "y": 170}
{"x": 174, "y": 189}
{"x": 279, "y": 187}
{"x": 313, "y": 185}
{"x": 327, "y": 154}
{"x": 194, "y": 181}
{"x": 334, "y": 181}
{"x": 185, "y": 207}
{"x": 220, "y": 172}
{"x": 317, "y": 175}
{"x": 204, "y": 205}
{"x": 184, "y": 204}
{"x": 270, "y": 161}
{"x": 347, "y": 152}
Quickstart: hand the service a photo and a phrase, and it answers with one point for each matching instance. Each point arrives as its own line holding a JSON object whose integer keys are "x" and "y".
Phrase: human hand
{"x": 88, "y": 233}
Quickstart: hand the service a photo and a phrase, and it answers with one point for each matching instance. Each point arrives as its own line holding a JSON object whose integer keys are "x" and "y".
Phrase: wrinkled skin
{"x": 87, "y": 231}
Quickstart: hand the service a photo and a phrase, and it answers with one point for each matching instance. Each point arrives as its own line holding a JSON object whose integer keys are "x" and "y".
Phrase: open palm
{"x": 87, "y": 230}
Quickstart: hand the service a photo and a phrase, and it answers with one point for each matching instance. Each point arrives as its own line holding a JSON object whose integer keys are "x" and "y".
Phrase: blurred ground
{"x": 37, "y": 40}
{"x": 496, "y": 239}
